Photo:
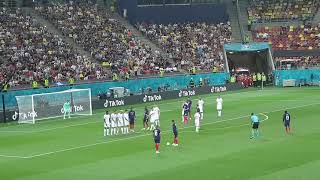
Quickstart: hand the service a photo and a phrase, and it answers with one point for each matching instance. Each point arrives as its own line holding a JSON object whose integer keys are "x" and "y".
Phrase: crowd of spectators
{"x": 191, "y": 44}
{"x": 304, "y": 37}
{"x": 304, "y": 62}
{"x": 281, "y": 10}
{"x": 108, "y": 41}
{"x": 28, "y": 52}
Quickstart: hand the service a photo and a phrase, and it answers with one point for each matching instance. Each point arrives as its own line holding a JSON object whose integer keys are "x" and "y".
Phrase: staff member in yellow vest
{"x": 258, "y": 79}
{"x": 46, "y": 83}
{"x": 127, "y": 76}
{"x": 34, "y": 84}
{"x": 194, "y": 70}
{"x": 71, "y": 81}
{"x": 232, "y": 79}
{"x": 215, "y": 69}
{"x": 161, "y": 72}
{"x": 5, "y": 87}
{"x": 115, "y": 77}
{"x": 254, "y": 79}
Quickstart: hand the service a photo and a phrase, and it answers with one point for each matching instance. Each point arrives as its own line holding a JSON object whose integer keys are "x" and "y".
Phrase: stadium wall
{"x": 305, "y": 77}
{"x": 178, "y": 82}
{"x": 165, "y": 14}
{"x": 13, "y": 114}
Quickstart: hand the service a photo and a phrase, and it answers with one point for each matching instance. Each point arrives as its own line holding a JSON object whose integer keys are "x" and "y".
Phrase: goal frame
{"x": 58, "y": 92}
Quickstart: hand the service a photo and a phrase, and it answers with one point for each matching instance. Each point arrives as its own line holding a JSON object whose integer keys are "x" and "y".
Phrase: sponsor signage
{"x": 14, "y": 114}
{"x": 154, "y": 97}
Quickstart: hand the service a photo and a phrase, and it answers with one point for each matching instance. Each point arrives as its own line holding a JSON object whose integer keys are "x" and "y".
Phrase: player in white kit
{"x": 106, "y": 124}
{"x": 120, "y": 122}
{"x": 200, "y": 106}
{"x": 114, "y": 124}
{"x": 157, "y": 116}
{"x": 197, "y": 117}
{"x": 219, "y": 105}
{"x": 126, "y": 122}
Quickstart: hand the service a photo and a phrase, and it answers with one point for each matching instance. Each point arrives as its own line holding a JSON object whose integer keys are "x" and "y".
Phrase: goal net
{"x": 50, "y": 105}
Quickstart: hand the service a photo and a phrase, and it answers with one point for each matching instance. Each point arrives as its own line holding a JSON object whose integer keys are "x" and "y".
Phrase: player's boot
{"x": 157, "y": 152}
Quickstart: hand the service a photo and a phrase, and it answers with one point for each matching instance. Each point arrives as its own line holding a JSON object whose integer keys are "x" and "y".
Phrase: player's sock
{"x": 108, "y": 132}
{"x": 104, "y": 132}
{"x": 257, "y": 133}
{"x": 252, "y": 134}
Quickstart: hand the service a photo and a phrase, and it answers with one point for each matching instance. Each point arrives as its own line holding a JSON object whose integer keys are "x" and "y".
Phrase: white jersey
{"x": 126, "y": 119}
{"x": 107, "y": 122}
{"x": 120, "y": 119}
{"x": 219, "y": 103}
{"x": 113, "y": 117}
{"x": 197, "y": 119}
{"x": 200, "y": 105}
{"x": 157, "y": 113}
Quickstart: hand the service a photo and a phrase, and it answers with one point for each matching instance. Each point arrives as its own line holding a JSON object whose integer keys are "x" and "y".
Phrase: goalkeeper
{"x": 66, "y": 109}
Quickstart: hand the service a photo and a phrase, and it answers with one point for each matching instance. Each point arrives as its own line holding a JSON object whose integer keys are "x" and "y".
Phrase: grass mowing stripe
{"x": 137, "y": 136}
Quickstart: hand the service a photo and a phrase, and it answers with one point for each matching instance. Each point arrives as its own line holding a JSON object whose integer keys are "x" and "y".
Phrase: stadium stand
{"x": 30, "y": 53}
{"x": 261, "y": 11}
{"x": 191, "y": 44}
{"x": 297, "y": 62}
{"x": 104, "y": 37}
{"x": 304, "y": 37}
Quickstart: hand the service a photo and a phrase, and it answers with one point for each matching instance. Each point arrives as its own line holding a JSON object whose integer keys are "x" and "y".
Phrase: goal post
{"x": 37, "y": 107}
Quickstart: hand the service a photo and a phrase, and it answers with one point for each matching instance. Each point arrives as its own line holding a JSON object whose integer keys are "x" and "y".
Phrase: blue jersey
{"x": 132, "y": 115}
{"x": 146, "y": 115}
{"x": 185, "y": 106}
{"x": 254, "y": 119}
{"x": 189, "y": 102}
{"x": 156, "y": 134}
{"x": 286, "y": 118}
{"x": 174, "y": 128}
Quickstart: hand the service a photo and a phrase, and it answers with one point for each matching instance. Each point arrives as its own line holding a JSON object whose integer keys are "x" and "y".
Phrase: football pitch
{"x": 76, "y": 149}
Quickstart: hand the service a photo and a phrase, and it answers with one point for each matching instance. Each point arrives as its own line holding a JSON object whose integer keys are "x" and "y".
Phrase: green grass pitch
{"x": 75, "y": 149}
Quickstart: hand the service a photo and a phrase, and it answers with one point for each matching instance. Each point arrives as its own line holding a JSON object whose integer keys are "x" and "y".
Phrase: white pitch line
{"x": 229, "y": 127}
{"x": 133, "y": 137}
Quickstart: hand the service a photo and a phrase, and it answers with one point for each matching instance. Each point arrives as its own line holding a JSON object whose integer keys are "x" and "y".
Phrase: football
{"x": 168, "y": 144}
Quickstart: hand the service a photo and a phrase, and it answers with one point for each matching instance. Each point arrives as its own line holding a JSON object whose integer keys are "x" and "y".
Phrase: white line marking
{"x": 133, "y": 137}
{"x": 229, "y": 127}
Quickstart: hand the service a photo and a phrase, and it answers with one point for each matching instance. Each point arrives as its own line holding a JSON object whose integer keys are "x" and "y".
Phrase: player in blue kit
{"x": 175, "y": 134}
{"x": 189, "y": 102}
{"x": 157, "y": 138}
{"x": 255, "y": 126}
{"x": 286, "y": 121}
{"x": 145, "y": 119}
{"x": 185, "y": 112}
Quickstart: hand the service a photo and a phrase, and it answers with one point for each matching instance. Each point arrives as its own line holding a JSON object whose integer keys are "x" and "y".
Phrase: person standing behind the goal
{"x": 66, "y": 109}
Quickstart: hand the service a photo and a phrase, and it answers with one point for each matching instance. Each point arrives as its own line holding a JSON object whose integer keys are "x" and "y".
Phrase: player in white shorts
{"x": 157, "y": 116}
{"x": 219, "y": 105}
{"x": 114, "y": 124}
{"x": 200, "y": 106}
{"x": 107, "y": 124}
{"x": 120, "y": 122}
{"x": 197, "y": 117}
{"x": 126, "y": 122}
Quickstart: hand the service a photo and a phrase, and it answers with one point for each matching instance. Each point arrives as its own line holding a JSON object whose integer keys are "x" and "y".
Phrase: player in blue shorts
{"x": 175, "y": 134}
{"x": 286, "y": 121}
{"x": 189, "y": 102}
{"x": 255, "y": 126}
{"x": 157, "y": 138}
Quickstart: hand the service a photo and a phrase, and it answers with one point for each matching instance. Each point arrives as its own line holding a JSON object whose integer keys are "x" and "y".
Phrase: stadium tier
{"x": 304, "y": 37}
{"x": 106, "y": 39}
{"x": 281, "y": 10}
{"x": 191, "y": 44}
